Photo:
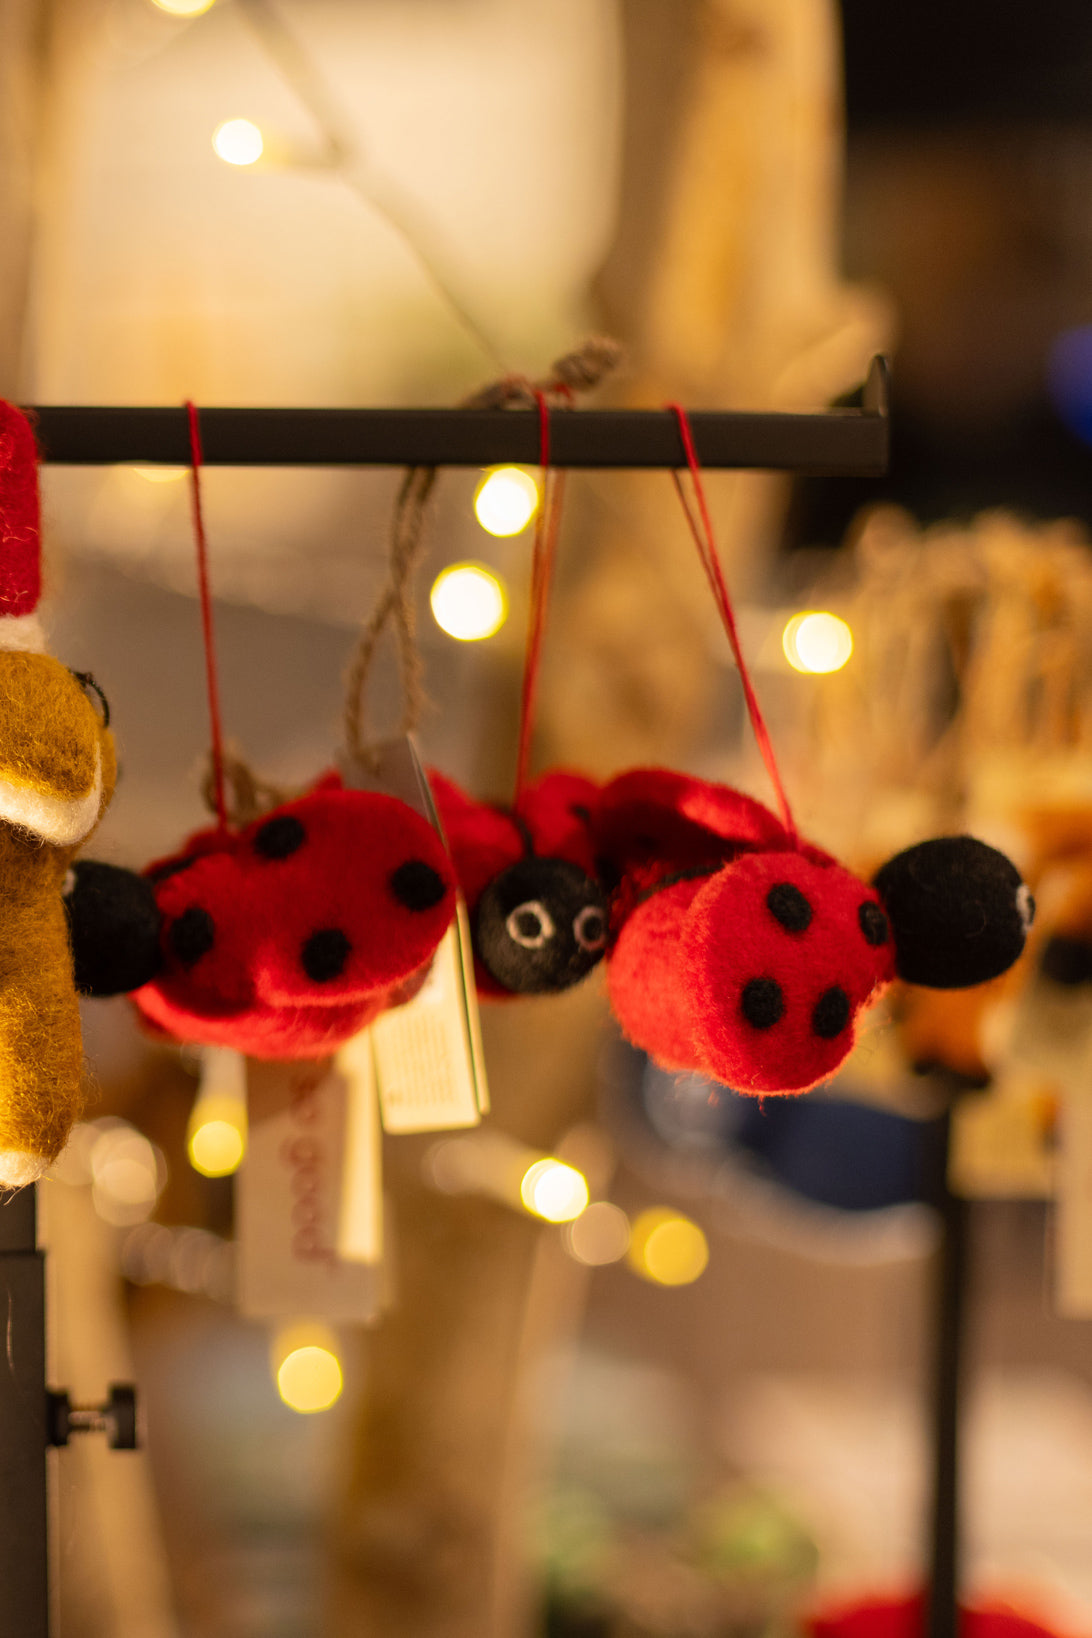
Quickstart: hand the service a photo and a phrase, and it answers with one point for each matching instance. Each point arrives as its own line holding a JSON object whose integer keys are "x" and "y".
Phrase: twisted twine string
{"x": 576, "y": 372}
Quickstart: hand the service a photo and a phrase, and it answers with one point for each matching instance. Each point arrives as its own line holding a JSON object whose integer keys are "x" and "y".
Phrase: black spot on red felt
{"x": 831, "y": 1013}
{"x": 873, "y": 923}
{"x": 324, "y": 954}
{"x": 416, "y": 885}
{"x": 788, "y": 906}
{"x": 762, "y": 1002}
{"x": 280, "y": 837}
{"x": 191, "y": 935}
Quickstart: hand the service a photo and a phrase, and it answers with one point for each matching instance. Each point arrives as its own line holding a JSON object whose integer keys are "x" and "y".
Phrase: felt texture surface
{"x": 656, "y": 817}
{"x": 57, "y": 774}
{"x": 905, "y": 1618}
{"x": 538, "y": 913}
{"x": 740, "y": 954}
{"x": 20, "y": 513}
{"x": 823, "y": 973}
{"x": 113, "y": 928}
{"x": 284, "y": 939}
{"x": 959, "y": 911}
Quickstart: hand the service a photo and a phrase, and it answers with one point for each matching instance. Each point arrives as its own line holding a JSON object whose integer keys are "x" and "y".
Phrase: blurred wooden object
{"x": 20, "y": 72}
{"x": 430, "y": 1540}
{"x": 723, "y": 287}
{"x": 723, "y": 283}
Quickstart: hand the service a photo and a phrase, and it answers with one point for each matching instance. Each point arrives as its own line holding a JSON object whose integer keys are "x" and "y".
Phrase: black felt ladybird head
{"x": 287, "y": 937}
{"x": 744, "y": 954}
{"x": 538, "y": 912}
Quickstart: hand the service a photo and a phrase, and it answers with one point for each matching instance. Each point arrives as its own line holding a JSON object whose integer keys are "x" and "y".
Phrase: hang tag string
{"x": 701, "y": 526}
{"x": 577, "y": 372}
{"x": 542, "y": 569}
{"x": 211, "y": 676}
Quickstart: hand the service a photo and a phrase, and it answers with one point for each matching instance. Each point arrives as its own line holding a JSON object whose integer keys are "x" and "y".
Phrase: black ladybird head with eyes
{"x": 538, "y": 912}
{"x": 959, "y": 912}
{"x": 540, "y": 925}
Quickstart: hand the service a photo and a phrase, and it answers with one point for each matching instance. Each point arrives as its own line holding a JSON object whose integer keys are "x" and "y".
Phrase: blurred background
{"x": 699, "y": 1406}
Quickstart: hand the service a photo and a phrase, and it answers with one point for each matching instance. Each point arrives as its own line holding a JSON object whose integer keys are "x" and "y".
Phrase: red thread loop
{"x": 705, "y": 539}
{"x": 211, "y": 678}
{"x": 542, "y": 568}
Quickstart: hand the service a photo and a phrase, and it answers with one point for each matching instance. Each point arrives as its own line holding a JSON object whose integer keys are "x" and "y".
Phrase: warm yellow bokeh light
{"x": 238, "y": 141}
{"x": 216, "y": 1148}
{"x": 599, "y": 1235}
{"x": 506, "y": 500}
{"x": 127, "y": 1174}
{"x": 469, "y": 601}
{"x": 552, "y": 1190}
{"x": 310, "y": 1379}
{"x": 159, "y": 474}
{"x": 817, "y": 642}
{"x": 184, "y": 8}
{"x": 667, "y": 1248}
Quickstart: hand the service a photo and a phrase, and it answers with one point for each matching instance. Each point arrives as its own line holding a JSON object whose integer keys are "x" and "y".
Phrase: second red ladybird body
{"x": 287, "y": 937}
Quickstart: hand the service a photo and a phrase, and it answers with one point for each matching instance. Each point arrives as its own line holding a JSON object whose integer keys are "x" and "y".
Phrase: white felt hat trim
{"x": 22, "y": 632}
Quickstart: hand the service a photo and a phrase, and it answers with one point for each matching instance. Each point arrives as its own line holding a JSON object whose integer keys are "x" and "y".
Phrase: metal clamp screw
{"x": 117, "y": 1418}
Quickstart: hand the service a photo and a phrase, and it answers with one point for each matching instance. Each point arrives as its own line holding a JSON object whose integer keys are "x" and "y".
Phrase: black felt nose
{"x": 531, "y": 927}
{"x": 113, "y": 926}
{"x": 958, "y": 909}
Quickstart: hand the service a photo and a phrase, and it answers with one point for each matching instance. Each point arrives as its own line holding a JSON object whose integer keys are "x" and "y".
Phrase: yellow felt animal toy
{"x": 57, "y": 772}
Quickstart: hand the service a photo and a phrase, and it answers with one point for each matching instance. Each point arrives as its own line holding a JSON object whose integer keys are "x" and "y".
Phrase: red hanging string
{"x": 211, "y": 677}
{"x": 705, "y": 539}
{"x": 542, "y": 568}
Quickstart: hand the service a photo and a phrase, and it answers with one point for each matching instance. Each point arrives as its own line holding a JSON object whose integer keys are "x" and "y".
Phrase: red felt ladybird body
{"x": 284, "y": 939}
{"x": 538, "y": 912}
{"x": 743, "y": 954}
{"x": 751, "y": 967}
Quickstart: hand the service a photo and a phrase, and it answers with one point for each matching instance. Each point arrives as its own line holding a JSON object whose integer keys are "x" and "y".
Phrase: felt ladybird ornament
{"x": 744, "y": 953}
{"x": 283, "y": 935}
{"x": 538, "y": 913}
{"x": 57, "y": 773}
{"x": 747, "y": 955}
{"x": 284, "y": 938}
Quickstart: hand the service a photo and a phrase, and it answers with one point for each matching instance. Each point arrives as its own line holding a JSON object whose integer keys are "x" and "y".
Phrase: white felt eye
{"x": 590, "y": 928}
{"x": 530, "y": 925}
{"x": 1025, "y": 906}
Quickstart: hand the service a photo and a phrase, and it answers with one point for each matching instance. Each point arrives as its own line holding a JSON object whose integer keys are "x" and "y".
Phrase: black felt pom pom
{"x": 113, "y": 925}
{"x": 540, "y": 925}
{"x": 958, "y": 909}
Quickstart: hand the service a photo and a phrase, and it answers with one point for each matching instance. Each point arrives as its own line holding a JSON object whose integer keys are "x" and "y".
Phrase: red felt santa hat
{"x": 20, "y": 533}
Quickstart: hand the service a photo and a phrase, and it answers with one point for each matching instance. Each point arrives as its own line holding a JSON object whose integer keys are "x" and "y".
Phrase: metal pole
{"x": 24, "y": 1569}
{"x": 832, "y": 442}
{"x": 949, "y": 1325}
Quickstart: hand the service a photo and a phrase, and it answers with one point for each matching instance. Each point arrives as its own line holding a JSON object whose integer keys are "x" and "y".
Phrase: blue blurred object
{"x": 848, "y": 1155}
{"x": 833, "y": 1151}
{"x": 1069, "y": 379}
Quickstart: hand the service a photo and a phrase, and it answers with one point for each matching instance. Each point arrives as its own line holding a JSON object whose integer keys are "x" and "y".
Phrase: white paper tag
{"x": 429, "y": 1062}
{"x": 423, "y": 1055}
{"x": 360, "y": 1222}
{"x": 291, "y": 1207}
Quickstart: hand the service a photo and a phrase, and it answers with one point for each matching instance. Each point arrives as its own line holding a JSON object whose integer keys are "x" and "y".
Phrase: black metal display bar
{"x": 832, "y": 442}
